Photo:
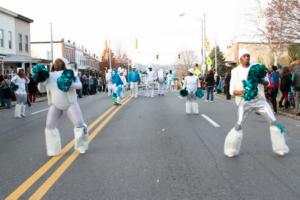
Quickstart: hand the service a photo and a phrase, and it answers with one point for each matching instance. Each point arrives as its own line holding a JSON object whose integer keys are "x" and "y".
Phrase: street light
{"x": 203, "y": 33}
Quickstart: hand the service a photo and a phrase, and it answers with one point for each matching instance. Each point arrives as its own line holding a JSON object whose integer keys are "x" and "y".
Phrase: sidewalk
{"x": 39, "y": 99}
{"x": 287, "y": 113}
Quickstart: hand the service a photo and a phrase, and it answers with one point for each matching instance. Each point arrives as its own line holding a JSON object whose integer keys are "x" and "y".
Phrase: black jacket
{"x": 210, "y": 80}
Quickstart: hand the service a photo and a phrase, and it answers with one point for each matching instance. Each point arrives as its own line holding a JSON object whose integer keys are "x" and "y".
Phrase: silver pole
{"x": 216, "y": 60}
{"x": 109, "y": 56}
{"x": 51, "y": 41}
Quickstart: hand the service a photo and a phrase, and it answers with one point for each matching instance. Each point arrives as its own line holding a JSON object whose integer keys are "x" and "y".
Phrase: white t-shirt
{"x": 191, "y": 83}
{"x": 239, "y": 74}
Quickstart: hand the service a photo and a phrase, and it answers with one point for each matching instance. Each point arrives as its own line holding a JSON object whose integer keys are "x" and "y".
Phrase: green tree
{"x": 221, "y": 68}
{"x": 294, "y": 52}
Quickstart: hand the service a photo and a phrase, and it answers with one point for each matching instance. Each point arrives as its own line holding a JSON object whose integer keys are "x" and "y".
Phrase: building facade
{"x": 260, "y": 53}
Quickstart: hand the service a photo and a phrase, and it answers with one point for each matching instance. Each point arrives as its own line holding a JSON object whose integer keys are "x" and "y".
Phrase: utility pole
{"x": 216, "y": 59}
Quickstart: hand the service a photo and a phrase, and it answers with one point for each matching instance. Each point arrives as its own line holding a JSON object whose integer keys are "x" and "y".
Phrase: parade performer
{"x": 108, "y": 82}
{"x": 150, "y": 82}
{"x": 134, "y": 79}
{"x": 123, "y": 78}
{"x": 60, "y": 85}
{"x": 247, "y": 85}
{"x": 171, "y": 81}
{"x": 161, "y": 81}
{"x": 191, "y": 89}
{"x": 18, "y": 83}
{"x": 117, "y": 87}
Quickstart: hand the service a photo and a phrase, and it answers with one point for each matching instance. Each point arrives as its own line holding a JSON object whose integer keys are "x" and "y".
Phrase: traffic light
{"x": 136, "y": 44}
{"x": 157, "y": 56}
{"x": 179, "y": 56}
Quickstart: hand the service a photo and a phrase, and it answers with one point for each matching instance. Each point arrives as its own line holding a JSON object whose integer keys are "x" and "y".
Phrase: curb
{"x": 41, "y": 99}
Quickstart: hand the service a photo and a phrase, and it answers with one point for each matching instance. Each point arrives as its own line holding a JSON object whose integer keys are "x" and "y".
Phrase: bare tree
{"x": 188, "y": 58}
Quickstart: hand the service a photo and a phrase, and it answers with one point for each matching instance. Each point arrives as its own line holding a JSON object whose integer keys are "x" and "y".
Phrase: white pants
{"x": 234, "y": 137}
{"x": 21, "y": 98}
{"x": 191, "y": 104}
{"x": 74, "y": 114}
{"x": 109, "y": 89}
{"x": 161, "y": 89}
{"x": 150, "y": 89}
{"x": 134, "y": 89}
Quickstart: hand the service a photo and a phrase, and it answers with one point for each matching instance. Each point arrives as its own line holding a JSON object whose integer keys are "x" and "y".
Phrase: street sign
{"x": 197, "y": 72}
{"x": 208, "y": 61}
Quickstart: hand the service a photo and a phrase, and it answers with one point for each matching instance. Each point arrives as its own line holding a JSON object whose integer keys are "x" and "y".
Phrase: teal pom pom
{"x": 255, "y": 76}
{"x": 40, "y": 73}
{"x": 66, "y": 79}
{"x": 183, "y": 93}
{"x": 199, "y": 93}
{"x": 13, "y": 86}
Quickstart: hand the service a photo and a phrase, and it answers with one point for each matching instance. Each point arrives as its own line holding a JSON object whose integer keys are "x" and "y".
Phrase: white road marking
{"x": 34, "y": 113}
{"x": 215, "y": 124}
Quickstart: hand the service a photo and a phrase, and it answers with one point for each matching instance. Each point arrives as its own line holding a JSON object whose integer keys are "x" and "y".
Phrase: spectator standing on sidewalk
{"x": 6, "y": 92}
{"x": 210, "y": 84}
{"x": 274, "y": 85}
{"x": 227, "y": 85}
{"x": 296, "y": 71}
{"x": 285, "y": 87}
{"x": 32, "y": 89}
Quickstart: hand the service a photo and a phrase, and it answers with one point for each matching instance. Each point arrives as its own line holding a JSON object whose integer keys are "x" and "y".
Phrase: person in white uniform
{"x": 150, "y": 82}
{"x": 191, "y": 84}
{"x": 124, "y": 80}
{"x": 259, "y": 104}
{"x": 20, "y": 80}
{"x": 63, "y": 101}
{"x": 109, "y": 84}
{"x": 161, "y": 81}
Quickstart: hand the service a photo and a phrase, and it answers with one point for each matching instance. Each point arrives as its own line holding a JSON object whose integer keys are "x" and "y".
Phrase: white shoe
{"x": 233, "y": 142}
{"x": 195, "y": 108}
{"x": 23, "y": 111}
{"x": 206, "y": 100}
{"x": 53, "y": 142}
{"x": 18, "y": 108}
{"x": 188, "y": 108}
{"x": 278, "y": 141}
{"x": 81, "y": 139}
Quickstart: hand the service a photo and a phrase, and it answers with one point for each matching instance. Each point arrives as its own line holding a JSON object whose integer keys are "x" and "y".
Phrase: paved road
{"x": 149, "y": 149}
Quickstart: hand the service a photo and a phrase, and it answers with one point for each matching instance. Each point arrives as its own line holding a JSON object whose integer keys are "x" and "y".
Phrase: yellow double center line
{"x": 42, "y": 190}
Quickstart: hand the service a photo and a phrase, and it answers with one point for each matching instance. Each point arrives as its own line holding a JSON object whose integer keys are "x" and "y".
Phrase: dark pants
{"x": 273, "y": 97}
{"x": 32, "y": 97}
{"x": 210, "y": 93}
{"x": 227, "y": 92}
{"x": 285, "y": 97}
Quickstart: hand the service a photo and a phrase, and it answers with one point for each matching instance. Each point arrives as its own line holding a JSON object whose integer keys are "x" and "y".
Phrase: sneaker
{"x": 206, "y": 100}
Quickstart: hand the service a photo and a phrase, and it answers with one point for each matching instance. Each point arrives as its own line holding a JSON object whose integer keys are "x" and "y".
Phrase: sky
{"x": 154, "y": 23}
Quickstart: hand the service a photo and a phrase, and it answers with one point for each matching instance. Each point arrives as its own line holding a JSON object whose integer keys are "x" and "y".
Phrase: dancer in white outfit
{"x": 20, "y": 80}
{"x": 150, "y": 82}
{"x": 161, "y": 81}
{"x": 109, "y": 84}
{"x": 60, "y": 101}
{"x": 246, "y": 106}
{"x": 191, "y": 84}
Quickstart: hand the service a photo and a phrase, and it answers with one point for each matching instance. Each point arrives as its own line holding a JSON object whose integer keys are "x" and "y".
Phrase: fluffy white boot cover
{"x": 18, "y": 108}
{"x": 23, "y": 110}
{"x": 278, "y": 141}
{"x": 188, "y": 107}
{"x": 233, "y": 142}
{"x": 195, "y": 108}
{"x": 53, "y": 142}
{"x": 81, "y": 139}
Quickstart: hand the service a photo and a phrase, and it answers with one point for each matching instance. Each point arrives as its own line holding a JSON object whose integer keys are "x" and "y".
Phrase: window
{"x": 1, "y": 38}
{"x": 10, "y": 39}
{"x": 20, "y": 42}
{"x": 26, "y": 43}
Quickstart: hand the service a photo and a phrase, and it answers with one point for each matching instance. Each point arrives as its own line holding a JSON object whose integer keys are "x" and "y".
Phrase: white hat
{"x": 243, "y": 52}
{"x": 133, "y": 67}
{"x": 120, "y": 70}
{"x": 19, "y": 68}
{"x": 191, "y": 70}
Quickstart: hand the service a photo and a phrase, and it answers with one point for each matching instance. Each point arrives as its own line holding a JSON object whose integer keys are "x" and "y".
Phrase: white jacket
{"x": 151, "y": 76}
{"x": 191, "y": 83}
{"x": 21, "y": 83}
{"x": 61, "y": 100}
{"x": 239, "y": 74}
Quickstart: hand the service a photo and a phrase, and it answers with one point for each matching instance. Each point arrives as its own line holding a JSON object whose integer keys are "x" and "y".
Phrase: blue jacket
{"x": 116, "y": 80}
{"x": 134, "y": 77}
